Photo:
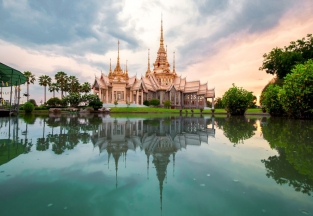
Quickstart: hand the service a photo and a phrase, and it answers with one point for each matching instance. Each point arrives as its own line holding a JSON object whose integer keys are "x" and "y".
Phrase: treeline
{"x": 62, "y": 83}
{"x": 291, "y": 91}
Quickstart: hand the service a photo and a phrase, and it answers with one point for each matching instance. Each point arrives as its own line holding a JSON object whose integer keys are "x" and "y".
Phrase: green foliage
{"x": 33, "y": 102}
{"x": 96, "y": 104}
{"x": 294, "y": 163}
{"x": 28, "y": 107}
{"x": 296, "y": 96}
{"x": 252, "y": 104}
{"x": 115, "y": 103}
{"x": 73, "y": 98}
{"x": 90, "y": 98}
{"x": 29, "y": 118}
{"x": 208, "y": 103}
{"x": 237, "y": 128}
{"x": 236, "y": 100}
{"x": 271, "y": 101}
{"x": 167, "y": 104}
{"x": 146, "y": 103}
{"x": 54, "y": 101}
{"x": 154, "y": 102}
{"x": 218, "y": 103}
{"x": 280, "y": 61}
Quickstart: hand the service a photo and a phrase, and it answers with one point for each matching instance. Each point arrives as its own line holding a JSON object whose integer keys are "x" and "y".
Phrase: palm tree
{"x": 30, "y": 78}
{"x": 45, "y": 81}
{"x": 85, "y": 87}
{"x": 73, "y": 84}
{"x": 61, "y": 79}
{"x": 53, "y": 88}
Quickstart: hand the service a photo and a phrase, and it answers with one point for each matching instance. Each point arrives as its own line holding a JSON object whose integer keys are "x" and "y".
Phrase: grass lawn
{"x": 161, "y": 110}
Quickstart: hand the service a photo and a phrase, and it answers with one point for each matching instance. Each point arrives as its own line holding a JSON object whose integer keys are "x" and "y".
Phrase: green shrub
{"x": 296, "y": 96}
{"x": 236, "y": 100}
{"x": 96, "y": 104}
{"x": 115, "y": 103}
{"x": 154, "y": 102}
{"x": 33, "y": 102}
{"x": 167, "y": 104}
{"x": 54, "y": 101}
{"x": 271, "y": 101}
{"x": 146, "y": 102}
{"x": 28, "y": 107}
{"x": 73, "y": 98}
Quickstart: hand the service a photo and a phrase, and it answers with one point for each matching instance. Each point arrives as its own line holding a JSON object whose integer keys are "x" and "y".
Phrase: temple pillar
{"x": 212, "y": 102}
{"x": 106, "y": 95}
{"x": 99, "y": 94}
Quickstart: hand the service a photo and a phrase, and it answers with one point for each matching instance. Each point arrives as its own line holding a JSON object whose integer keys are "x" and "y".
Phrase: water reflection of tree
{"x": 293, "y": 141}
{"x": 237, "y": 128}
{"x": 72, "y": 130}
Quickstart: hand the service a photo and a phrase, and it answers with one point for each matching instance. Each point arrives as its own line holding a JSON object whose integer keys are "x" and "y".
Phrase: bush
{"x": 115, "y": 103}
{"x": 154, "y": 102}
{"x": 73, "y": 98}
{"x": 96, "y": 104}
{"x": 33, "y": 102}
{"x": 28, "y": 107}
{"x": 236, "y": 100}
{"x": 54, "y": 101}
{"x": 271, "y": 101}
{"x": 146, "y": 102}
{"x": 167, "y": 104}
{"x": 296, "y": 96}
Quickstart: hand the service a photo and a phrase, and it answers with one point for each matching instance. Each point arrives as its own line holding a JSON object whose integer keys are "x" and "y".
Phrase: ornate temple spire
{"x": 118, "y": 52}
{"x": 148, "y": 68}
{"x": 110, "y": 66}
{"x": 174, "y": 69}
{"x": 161, "y": 38}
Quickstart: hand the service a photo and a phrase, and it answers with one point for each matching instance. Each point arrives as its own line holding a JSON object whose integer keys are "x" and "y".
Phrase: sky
{"x": 218, "y": 42}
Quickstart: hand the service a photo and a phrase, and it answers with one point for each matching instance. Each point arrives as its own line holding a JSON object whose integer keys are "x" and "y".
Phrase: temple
{"x": 158, "y": 138}
{"x": 161, "y": 83}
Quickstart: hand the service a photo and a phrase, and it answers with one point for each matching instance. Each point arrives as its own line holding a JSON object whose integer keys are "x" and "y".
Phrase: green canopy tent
{"x": 11, "y": 77}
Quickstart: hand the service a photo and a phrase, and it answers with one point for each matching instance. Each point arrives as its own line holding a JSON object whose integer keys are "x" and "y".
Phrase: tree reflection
{"x": 237, "y": 128}
{"x": 293, "y": 141}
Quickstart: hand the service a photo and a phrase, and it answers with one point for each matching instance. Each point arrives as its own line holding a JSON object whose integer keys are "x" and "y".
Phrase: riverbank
{"x": 163, "y": 111}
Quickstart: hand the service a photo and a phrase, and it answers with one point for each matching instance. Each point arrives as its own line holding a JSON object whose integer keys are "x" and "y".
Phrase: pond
{"x": 150, "y": 165}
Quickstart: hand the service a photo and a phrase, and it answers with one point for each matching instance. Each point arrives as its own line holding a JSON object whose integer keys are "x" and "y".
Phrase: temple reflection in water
{"x": 158, "y": 138}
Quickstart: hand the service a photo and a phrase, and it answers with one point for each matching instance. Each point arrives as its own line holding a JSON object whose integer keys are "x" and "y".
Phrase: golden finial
{"x": 161, "y": 39}
{"x": 149, "y": 60}
{"x": 118, "y": 52}
{"x": 110, "y": 66}
{"x": 174, "y": 71}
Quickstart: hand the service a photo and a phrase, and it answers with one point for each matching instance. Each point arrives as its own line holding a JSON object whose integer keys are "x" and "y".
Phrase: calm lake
{"x": 152, "y": 165}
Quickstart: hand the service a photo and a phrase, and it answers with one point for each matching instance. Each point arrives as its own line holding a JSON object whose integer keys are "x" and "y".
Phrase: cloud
{"x": 234, "y": 16}
{"x": 76, "y": 27}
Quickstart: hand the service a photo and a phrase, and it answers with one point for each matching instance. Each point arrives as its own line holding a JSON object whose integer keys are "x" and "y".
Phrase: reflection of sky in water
{"x": 214, "y": 178}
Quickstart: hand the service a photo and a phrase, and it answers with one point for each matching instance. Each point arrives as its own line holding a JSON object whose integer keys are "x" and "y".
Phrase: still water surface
{"x": 128, "y": 165}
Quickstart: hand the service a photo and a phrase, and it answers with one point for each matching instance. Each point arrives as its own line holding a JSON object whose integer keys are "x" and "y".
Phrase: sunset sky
{"x": 219, "y": 42}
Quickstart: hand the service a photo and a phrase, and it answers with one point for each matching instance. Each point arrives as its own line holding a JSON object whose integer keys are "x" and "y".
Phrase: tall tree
{"x": 280, "y": 61}
{"x": 73, "y": 84}
{"x": 30, "y": 79}
{"x": 61, "y": 79}
{"x": 45, "y": 81}
{"x": 85, "y": 87}
{"x": 53, "y": 88}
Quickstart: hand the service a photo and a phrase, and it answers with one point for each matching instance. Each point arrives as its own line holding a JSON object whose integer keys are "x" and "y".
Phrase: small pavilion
{"x": 12, "y": 79}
